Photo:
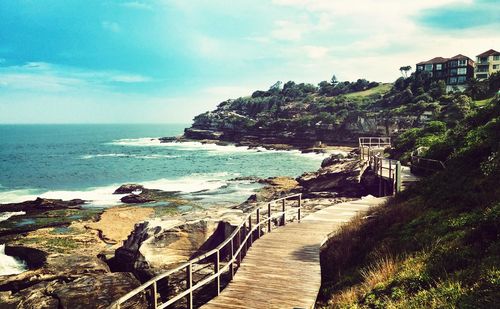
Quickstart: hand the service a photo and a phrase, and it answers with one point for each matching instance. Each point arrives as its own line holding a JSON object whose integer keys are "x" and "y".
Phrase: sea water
{"x": 90, "y": 161}
{"x": 10, "y": 265}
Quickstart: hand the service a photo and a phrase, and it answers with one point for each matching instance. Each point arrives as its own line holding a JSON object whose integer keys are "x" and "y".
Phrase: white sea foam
{"x": 150, "y": 156}
{"x": 191, "y": 183}
{"x": 103, "y": 196}
{"x": 214, "y": 149}
{"x": 4, "y": 216}
{"x": 10, "y": 265}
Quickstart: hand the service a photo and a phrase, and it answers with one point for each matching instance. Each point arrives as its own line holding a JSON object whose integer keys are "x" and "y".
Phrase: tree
{"x": 334, "y": 80}
{"x": 404, "y": 70}
{"x": 476, "y": 89}
{"x": 276, "y": 87}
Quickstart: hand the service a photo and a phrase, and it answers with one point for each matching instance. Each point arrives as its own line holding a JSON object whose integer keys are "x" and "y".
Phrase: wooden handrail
{"x": 416, "y": 160}
{"x": 376, "y": 161}
{"x": 380, "y": 141}
{"x": 218, "y": 271}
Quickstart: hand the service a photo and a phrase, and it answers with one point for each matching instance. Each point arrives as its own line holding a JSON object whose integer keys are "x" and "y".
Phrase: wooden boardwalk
{"x": 282, "y": 269}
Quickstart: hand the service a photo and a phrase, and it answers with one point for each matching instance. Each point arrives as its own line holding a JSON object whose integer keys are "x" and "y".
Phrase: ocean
{"x": 90, "y": 161}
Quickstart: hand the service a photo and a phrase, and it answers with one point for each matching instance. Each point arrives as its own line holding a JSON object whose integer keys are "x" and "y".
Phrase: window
{"x": 453, "y": 72}
{"x": 461, "y": 79}
{"x": 481, "y": 75}
{"x": 462, "y": 71}
{"x": 428, "y": 67}
{"x": 497, "y": 57}
{"x": 462, "y": 62}
{"x": 496, "y": 66}
{"x": 420, "y": 68}
{"x": 453, "y": 80}
{"x": 439, "y": 66}
{"x": 453, "y": 64}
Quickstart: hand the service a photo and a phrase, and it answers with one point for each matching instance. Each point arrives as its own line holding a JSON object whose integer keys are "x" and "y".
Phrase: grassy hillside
{"x": 339, "y": 112}
{"x": 436, "y": 245}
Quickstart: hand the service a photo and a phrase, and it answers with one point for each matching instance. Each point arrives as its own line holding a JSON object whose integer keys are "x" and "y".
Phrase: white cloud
{"x": 47, "y": 77}
{"x": 111, "y": 26}
{"x": 316, "y": 52}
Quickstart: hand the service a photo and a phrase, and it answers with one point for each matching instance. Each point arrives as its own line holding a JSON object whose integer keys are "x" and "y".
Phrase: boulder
{"x": 128, "y": 188}
{"x": 199, "y": 134}
{"x": 332, "y": 159}
{"x": 342, "y": 177}
{"x": 158, "y": 245}
{"x": 42, "y": 204}
{"x": 136, "y": 199}
{"x": 168, "y": 139}
{"x": 56, "y": 266}
{"x": 88, "y": 291}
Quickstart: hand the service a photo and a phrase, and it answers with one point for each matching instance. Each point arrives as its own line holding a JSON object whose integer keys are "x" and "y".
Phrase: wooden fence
{"x": 231, "y": 252}
{"x": 371, "y": 151}
{"x": 379, "y": 142}
{"x": 425, "y": 166}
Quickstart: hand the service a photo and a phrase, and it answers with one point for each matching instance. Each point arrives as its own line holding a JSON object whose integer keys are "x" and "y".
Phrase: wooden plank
{"x": 282, "y": 269}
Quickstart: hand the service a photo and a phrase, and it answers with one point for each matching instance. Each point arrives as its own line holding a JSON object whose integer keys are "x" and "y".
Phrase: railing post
{"x": 231, "y": 264}
{"x": 155, "y": 295}
{"x": 250, "y": 239}
{"x": 243, "y": 236}
{"x": 398, "y": 177}
{"x": 217, "y": 270}
{"x": 283, "y": 208}
{"x": 300, "y": 204}
{"x": 189, "y": 283}
{"x": 258, "y": 222}
{"x": 380, "y": 177}
{"x": 238, "y": 245}
{"x": 269, "y": 217}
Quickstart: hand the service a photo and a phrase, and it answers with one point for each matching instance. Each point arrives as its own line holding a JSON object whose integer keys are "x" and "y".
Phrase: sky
{"x": 165, "y": 61}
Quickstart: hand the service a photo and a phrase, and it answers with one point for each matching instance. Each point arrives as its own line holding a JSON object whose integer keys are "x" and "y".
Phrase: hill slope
{"x": 436, "y": 245}
{"x": 332, "y": 112}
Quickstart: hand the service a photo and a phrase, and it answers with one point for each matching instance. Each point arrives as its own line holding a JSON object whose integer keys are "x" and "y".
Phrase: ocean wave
{"x": 214, "y": 149}
{"x": 4, "y": 216}
{"x": 103, "y": 196}
{"x": 100, "y": 196}
{"x": 191, "y": 183}
{"x": 151, "y": 156}
{"x": 10, "y": 265}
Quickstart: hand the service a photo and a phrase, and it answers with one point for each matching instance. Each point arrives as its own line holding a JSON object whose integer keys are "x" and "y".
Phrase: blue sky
{"x": 105, "y": 61}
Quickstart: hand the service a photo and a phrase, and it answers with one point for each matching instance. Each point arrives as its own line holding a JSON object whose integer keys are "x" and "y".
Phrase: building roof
{"x": 434, "y": 60}
{"x": 488, "y": 53}
{"x": 459, "y": 57}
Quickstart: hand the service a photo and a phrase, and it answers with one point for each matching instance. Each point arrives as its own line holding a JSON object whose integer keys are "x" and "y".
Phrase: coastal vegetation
{"x": 436, "y": 245}
{"x": 338, "y": 112}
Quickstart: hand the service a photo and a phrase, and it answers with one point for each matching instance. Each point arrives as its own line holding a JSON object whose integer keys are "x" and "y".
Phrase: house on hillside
{"x": 455, "y": 71}
{"x": 436, "y": 67}
{"x": 460, "y": 70}
{"x": 487, "y": 63}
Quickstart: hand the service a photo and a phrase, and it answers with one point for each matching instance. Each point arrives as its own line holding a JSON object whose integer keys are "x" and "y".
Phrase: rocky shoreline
{"x": 71, "y": 248}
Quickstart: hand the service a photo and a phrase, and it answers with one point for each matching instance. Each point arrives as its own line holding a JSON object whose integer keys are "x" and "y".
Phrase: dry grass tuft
{"x": 379, "y": 272}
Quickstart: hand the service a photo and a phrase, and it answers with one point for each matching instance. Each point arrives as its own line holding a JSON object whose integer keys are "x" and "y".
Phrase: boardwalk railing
{"x": 380, "y": 142}
{"x": 231, "y": 252}
{"x": 421, "y": 165}
{"x": 385, "y": 168}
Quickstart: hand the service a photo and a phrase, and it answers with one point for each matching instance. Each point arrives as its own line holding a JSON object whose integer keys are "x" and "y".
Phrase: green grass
{"x": 379, "y": 90}
{"x": 483, "y": 102}
{"x": 437, "y": 244}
